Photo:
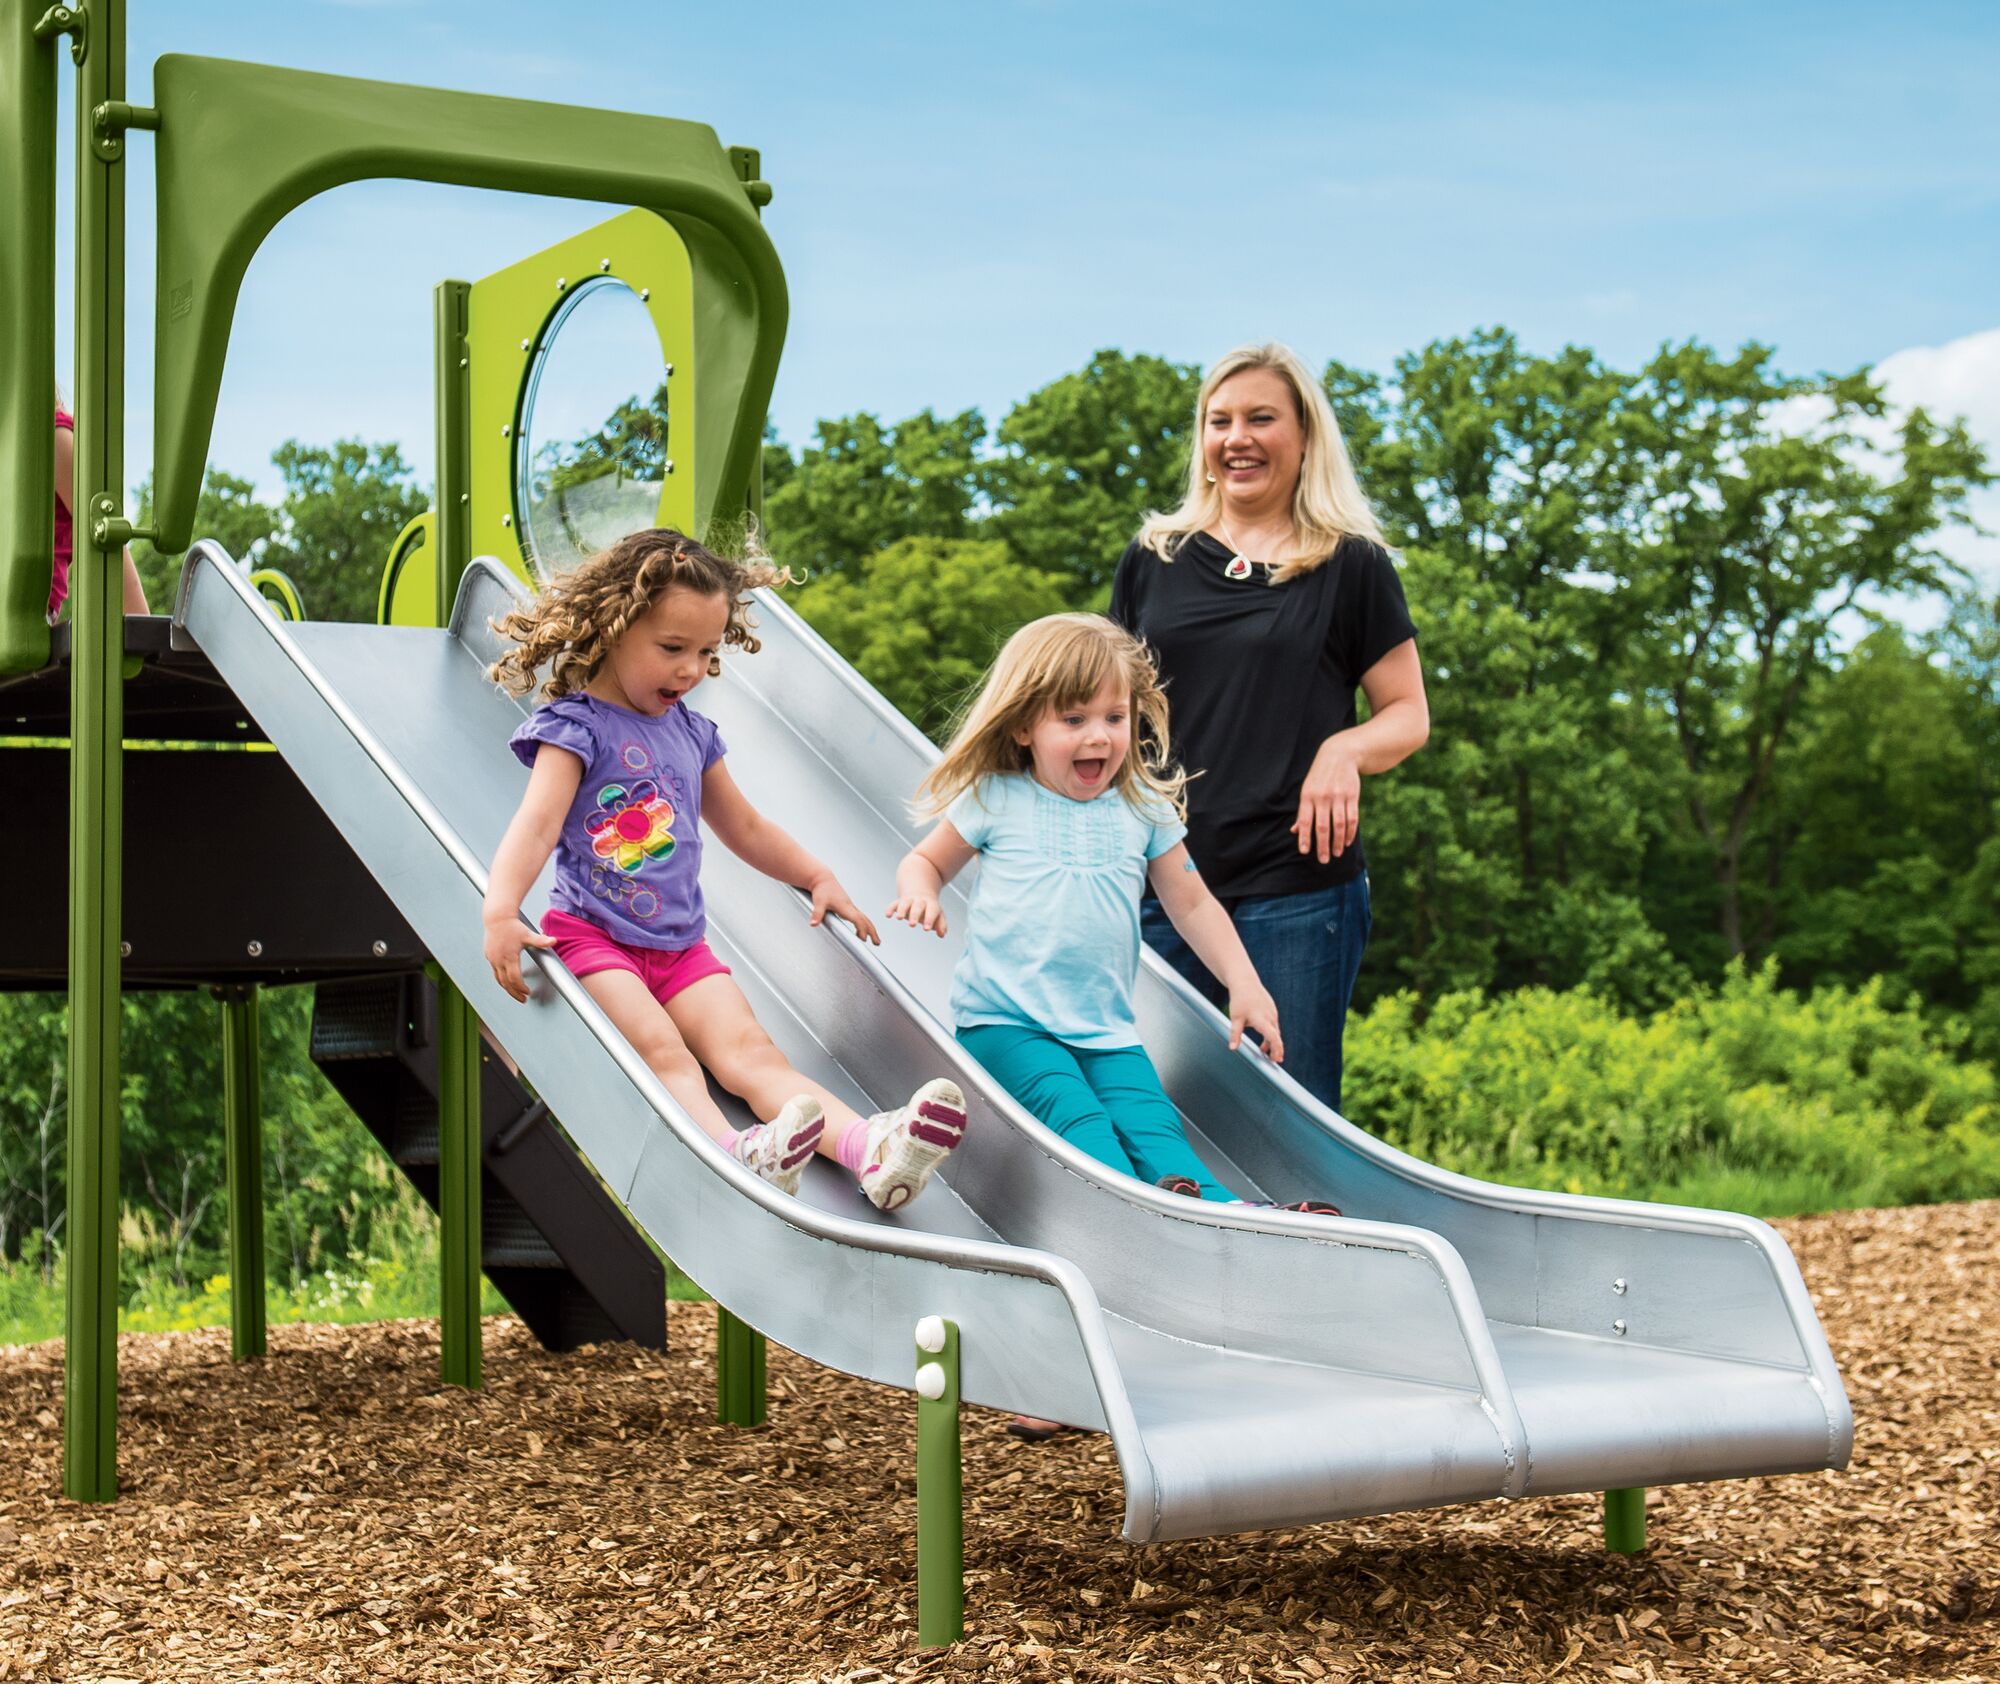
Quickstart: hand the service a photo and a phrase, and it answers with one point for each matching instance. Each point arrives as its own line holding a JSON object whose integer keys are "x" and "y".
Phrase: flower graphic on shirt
{"x": 632, "y": 825}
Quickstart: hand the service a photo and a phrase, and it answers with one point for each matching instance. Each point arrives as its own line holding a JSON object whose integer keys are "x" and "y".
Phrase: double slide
{"x": 1446, "y": 1340}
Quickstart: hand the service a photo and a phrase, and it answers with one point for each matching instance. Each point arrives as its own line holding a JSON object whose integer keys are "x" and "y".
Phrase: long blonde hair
{"x": 1328, "y": 504}
{"x": 578, "y": 619}
{"x": 1057, "y": 662}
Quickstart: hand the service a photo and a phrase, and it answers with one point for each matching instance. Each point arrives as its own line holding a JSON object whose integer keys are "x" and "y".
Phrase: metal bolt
{"x": 604, "y": 263}
{"x": 380, "y": 949}
{"x": 506, "y": 520}
{"x": 255, "y": 949}
{"x": 506, "y": 431}
{"x": 526, "y": 343}
{"x": 1618, "y": 1327}
{"x": 930, "y": 1381}
{"x": 560, "y": 283}
{"x": 670, "y": 370}
{"x": 124, "y": 950}
{"x": 645, "y": 293}
{"x": 1618, "y": 1286}
{"x": 930, "y": 1334}
{"x": 670, "y": 464}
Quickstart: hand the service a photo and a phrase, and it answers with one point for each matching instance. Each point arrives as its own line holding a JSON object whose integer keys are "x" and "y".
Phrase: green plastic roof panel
{"x": 240, "y": 145}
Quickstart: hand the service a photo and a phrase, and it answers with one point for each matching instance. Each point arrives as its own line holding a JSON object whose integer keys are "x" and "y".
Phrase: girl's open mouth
{"x": 1089, "y": 770}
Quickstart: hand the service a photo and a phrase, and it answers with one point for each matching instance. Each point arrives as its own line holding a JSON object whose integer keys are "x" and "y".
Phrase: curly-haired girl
{"x": 622, "y": 771}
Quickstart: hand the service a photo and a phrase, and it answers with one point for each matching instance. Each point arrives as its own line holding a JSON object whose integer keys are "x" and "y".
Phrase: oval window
{"x": 593, "y": 436}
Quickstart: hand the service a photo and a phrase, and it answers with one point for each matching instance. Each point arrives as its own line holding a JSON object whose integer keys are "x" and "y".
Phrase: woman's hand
{"x": 926, "y": 912}
{"x": 829, "y": 896}
{"x": 1330, "y": 802}
{"x": 1251, "y": 1007}
{"x": 505, "y": 937}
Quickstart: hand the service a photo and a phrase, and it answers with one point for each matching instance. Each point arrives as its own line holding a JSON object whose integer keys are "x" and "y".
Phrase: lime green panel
{"x": 510, "y": 313}
{"x": 240, "y": 145}
{"x": 408, "y": 596}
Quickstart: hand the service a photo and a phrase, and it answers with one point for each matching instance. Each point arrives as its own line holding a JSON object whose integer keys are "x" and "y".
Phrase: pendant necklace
{"x": 1239, "y": 564}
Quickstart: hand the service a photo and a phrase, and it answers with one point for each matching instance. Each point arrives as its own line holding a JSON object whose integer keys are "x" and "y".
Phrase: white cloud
{"x": 1959, "y": 378}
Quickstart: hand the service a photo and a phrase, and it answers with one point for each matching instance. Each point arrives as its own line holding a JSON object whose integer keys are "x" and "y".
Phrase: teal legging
{"x": 1104, "y": 1101}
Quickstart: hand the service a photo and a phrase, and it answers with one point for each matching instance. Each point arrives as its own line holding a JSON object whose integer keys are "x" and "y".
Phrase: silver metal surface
{"x": 1448, "y": 1340}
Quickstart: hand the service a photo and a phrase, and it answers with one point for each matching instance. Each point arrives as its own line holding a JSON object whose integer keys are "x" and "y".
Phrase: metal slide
{"x": 1447, "y": 1341}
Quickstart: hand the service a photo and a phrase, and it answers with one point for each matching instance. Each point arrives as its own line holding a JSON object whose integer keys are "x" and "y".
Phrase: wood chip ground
{"x": 332, "y": 1512}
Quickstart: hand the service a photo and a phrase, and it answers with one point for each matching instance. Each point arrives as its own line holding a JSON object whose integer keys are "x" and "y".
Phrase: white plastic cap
{"x": 930, "y": 1381}
{"x": 930, "y": 1334}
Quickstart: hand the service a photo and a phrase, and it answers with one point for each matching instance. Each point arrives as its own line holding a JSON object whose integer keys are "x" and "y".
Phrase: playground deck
{"x": 333, "y": 1512}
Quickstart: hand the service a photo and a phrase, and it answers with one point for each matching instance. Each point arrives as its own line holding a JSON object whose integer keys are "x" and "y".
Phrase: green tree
{"x": 861, "y": 487}
{"x": 1084, "y": 459}
{"x": 344, "y": 504}
{"x": 1746, "y": 543}
{"x": 923, "y": 618}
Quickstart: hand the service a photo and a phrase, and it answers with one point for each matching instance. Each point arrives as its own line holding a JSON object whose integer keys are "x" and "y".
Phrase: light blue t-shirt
{"x": 1052, "y": 942}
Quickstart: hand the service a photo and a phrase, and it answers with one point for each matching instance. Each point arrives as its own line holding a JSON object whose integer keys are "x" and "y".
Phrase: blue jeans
{"x": 1106, "y": 1101}
{"x": 1308, "y": 949}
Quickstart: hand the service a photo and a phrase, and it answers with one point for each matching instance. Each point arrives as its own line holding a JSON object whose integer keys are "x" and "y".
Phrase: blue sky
{"x": 971, "y": 199}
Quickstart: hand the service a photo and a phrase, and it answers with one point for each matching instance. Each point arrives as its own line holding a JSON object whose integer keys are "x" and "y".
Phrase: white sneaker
{"x": 780, "y": 1149}
{"x": 904, "y": 1146}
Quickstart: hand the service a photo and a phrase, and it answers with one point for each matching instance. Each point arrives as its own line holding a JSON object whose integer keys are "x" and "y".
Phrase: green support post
{"x": 243, "y": 1153}
{"x": 454, "y": 441}
{"x": 940, "y": 1488}
{"x": 458, "y": 1185}
{"x": 1625, "y": 1521}
{"x": 97, "y": 773}
{"x": 739, "y": 1372}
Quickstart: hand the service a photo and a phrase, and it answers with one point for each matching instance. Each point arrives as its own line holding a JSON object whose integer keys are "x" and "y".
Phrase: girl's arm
{"x": 1199, "y": 917}
{"x": 1398, "y": 724}
{"x": 135, "y": 592}
{"x": 923, "y": 873}
{"x": 756, "y": 841}
{"x": 531, "y": 837}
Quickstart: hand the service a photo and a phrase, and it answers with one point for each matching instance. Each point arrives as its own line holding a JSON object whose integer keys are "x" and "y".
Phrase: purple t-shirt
{"x": 629, "y": 859}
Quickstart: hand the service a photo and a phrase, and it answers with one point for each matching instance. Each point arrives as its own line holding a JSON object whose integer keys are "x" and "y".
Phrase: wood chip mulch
{"x": 332, "y": 1512}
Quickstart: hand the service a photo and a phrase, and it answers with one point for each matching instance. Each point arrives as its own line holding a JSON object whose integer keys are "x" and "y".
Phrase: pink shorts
{"x": 585, "y": 948}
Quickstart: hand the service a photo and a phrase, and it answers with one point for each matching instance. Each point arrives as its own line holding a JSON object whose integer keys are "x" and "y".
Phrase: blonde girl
{"x": 1070, "y": 810}
{"x": 622, "y": 772}
{"x": 64, "y": 543}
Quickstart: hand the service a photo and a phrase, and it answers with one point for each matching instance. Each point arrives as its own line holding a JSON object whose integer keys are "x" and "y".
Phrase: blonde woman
{"x": 1070, "y": 814}
{"x": 1268, "y": 599}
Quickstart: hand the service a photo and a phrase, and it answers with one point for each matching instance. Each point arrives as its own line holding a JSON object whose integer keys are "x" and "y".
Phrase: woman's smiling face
{"x": 1252, "y": 442}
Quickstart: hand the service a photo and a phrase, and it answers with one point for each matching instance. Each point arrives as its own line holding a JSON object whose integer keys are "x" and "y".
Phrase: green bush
{"x": 1746, "y": 1097}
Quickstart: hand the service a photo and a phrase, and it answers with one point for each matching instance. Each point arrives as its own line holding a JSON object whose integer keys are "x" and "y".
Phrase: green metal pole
{"x": 458, "y": 1186}
{"x": 1625, "y": 1521}
{"x": 940, "y": 1487}
{"x": 454, "y": 440}
{"x": 243, "y": 1153}
{"x": 96, "y": 827}
{"x": 28, "y": 70}
{"x": 739, "y": 1372}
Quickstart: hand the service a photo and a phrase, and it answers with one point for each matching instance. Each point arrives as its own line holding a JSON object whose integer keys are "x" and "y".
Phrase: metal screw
{"x": 1618, "y": 1286}
{"x": 560, "y": 283}
{"x": 526, "y": 343}
{"x": 506, "y": 431}
{"x": 645, "y": 293}
{"x": 670, "y": 464}
{"x": 380, "y": 949}
{"x": 604, "y": 263}
{"x": 506, "y": 520}
{"x": 124, "y": 950}
{"x": 1618, "y": 1327}
{"x": 670, "y": 370}
{"x": 255, "y": 949}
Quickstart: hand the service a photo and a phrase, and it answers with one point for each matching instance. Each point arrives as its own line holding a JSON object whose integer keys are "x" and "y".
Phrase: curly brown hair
{"x": 579, "y": 618}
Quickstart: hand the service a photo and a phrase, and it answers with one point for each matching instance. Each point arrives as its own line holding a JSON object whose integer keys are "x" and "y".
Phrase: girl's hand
{"x": 1251, "y": 1007}
{"x": 505, "y": 937}
{"x": 923, "y": 911}
{"x": 829, "y": 896}
{"x": 1329, "y": 802}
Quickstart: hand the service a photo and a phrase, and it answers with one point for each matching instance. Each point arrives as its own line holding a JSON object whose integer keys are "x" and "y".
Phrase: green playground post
{"x": 740, "y": 1397}
{"x": 243, "y": 1154}
{"x": 96, "y": 828}
{"x": 453, "y": 544}
{"x": 940, "y": 1488}
{"x": 458, "y": 1186}
{"x": 1625, "y": 1521}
